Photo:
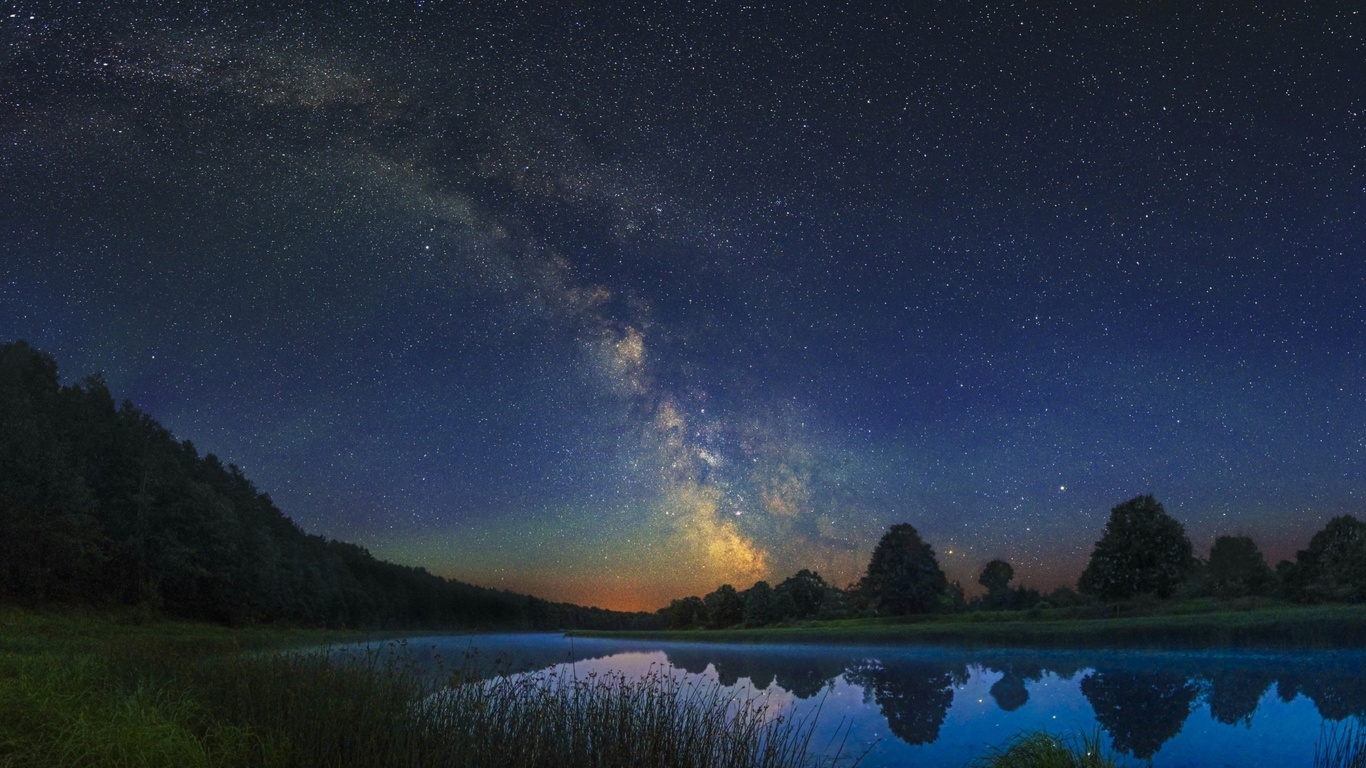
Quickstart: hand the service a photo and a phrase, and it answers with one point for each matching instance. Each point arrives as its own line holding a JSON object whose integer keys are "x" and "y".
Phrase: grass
{"x": 1196, "y": 625}
{"x": 1039, "y": 749}
{"x": 1341, "y": 745}
{"x": 97, "y": 690}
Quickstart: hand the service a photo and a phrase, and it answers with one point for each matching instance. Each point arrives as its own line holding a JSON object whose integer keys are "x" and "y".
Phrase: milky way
{"x": 618, "y": 304}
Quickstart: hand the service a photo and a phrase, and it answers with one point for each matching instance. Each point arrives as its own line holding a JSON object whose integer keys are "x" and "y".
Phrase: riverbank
{"x": 82, "y": 688}
{"x": 1272, "y": 627}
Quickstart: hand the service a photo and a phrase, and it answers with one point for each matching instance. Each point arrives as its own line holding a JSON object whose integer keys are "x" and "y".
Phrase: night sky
{"x": 617, "y": 303}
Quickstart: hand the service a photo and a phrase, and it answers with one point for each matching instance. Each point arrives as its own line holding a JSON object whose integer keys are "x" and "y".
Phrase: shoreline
{"x": 1276, "y": 628}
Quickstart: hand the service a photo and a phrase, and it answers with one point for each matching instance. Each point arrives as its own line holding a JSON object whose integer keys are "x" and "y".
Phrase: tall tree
{"x": 808, "y": 591}
{"x": 724, "y": 607}
{"x": 1333, "y": 567}
{"x": 996, "y": 576}
{"x": 50, "y": 545}
{"x": 1237, "y": 568}
{"x": 686, "y": 613}
{"x": 760, "y": 608}
{"x": 903, "y": 575}
{"x": 1143, "y": 551}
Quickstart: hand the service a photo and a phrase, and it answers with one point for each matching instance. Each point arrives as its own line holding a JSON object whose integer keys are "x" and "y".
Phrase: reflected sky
{"x": 944, "y": 707}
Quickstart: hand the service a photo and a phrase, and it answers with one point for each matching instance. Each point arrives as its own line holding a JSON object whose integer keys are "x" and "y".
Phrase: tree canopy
{"x": 1237, "y": 569}
{"x": 996, "y": 576}
{"x": 903, "y": 575}
{"x": 1333, "y": 566}
{"x": 1143, "y": 551}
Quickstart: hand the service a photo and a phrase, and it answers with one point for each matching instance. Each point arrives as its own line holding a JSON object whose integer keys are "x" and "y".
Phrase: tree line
{"x": 1143, "y": 553}
{"x": 101, "y": 504}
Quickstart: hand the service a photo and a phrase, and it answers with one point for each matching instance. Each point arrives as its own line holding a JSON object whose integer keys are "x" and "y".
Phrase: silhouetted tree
{"x": 1064, "y": 597}
{"x": 724, "y": 607}
{"x": 996, "y": 576}
{"x": 1236, "y": 568}
{"x": 759, "y": 608}
{"x": 1333, "y": 567}
{"x": 1143, "y": 551}
{"x": 807, "y": 590}
{"x": 903, "y": 575}
{"x": 835, "y": 604}
{"x": 50, "y": 545}
{"x": 687, "y": 613}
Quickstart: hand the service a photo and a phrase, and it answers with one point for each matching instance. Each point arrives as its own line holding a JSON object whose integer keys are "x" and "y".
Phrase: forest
{"x": 1143, "y": 555}
{"x": 100, "y": 504}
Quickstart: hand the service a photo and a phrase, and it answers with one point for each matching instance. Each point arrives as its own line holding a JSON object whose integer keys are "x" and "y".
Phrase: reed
{"x": 1341, "y": 745}
{"x": 381, "y": 710}
{"x": 82, "y": 691}
{"x": 1039, "y": 749}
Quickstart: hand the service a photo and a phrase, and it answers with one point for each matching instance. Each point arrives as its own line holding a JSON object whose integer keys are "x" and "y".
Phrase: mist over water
{"x": 929, "y": 706}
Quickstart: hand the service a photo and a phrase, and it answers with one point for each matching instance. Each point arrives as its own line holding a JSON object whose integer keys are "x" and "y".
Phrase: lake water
{"x": 933, "y": 706}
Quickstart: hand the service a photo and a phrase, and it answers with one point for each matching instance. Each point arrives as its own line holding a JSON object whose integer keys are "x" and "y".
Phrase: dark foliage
{"x": 100, "y": 503}
{"x": 807, "y": 590}
{"x": 1236, "y": 568}
{"x": 724, "y": 607}
{"x": 1143, "y": 551}
{"x": 760, "y": 609}
{"x": 996, "y": 576}
{"x": 1333, "y": 567}
{"x": 903, "y": 576}
{"x": 687, "y": 613}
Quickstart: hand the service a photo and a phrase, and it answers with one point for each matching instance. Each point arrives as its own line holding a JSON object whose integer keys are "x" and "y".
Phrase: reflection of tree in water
{"x": 1234, "y": 694}
{"x": 1009, "y": 692}
{"x": 1140, "y": 710}
{"x": 1338, "y": 692}
{"x": 913, "y": 696}
{"x": 807, "y": 681}
{"x": 691, "y": 661}
{"x": 803, "y": 676}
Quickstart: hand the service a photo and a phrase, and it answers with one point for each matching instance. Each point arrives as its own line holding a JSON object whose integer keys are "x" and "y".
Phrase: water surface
{"x": 937, "y": 706}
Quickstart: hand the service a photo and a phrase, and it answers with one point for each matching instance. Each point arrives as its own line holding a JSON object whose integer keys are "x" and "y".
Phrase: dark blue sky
{"x": 617, "y": 303}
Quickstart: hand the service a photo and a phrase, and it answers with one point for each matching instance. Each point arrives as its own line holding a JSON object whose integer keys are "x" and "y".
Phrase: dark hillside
{"x": 101, "y": 504}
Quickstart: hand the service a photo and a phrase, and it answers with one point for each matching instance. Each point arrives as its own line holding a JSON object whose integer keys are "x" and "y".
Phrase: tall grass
{"x": 1040, "y": 749}
{"x": 1341, "y": 745}
{"x": 87, "y": 692}
{"x": 381, "y": 710}
{"x": 78, "y": 714}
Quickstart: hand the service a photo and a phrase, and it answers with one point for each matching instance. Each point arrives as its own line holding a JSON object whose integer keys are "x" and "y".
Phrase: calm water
{"x": 941, "y": 707}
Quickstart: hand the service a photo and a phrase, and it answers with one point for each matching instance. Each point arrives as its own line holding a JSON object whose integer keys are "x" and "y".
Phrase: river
{"x": 939, "y": 706}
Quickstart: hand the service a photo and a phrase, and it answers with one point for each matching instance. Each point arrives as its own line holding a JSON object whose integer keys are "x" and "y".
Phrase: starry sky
{"x": 616, "y": 302}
